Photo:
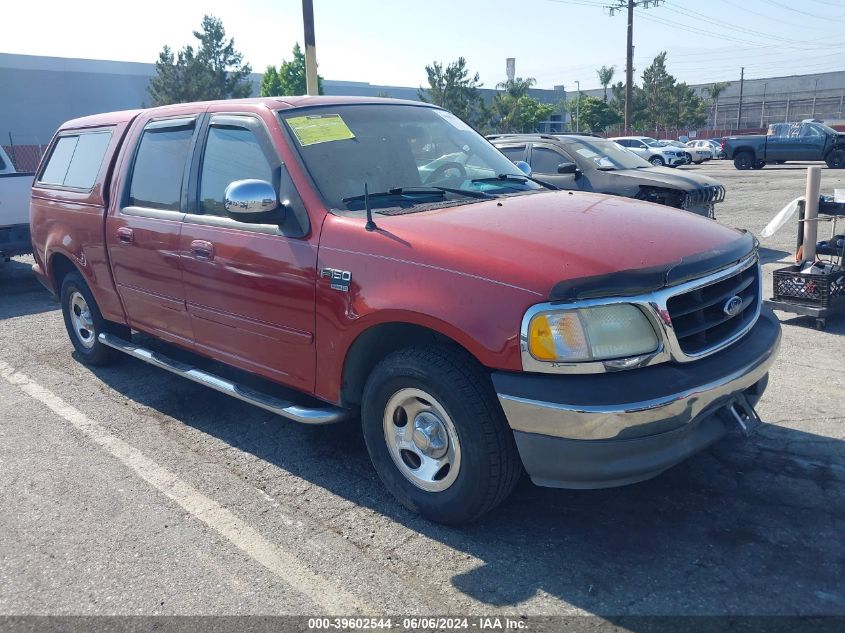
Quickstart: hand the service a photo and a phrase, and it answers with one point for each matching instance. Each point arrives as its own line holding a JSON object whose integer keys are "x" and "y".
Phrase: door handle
{"x": 125, "y": 235}
{"x": 201, "y": 249}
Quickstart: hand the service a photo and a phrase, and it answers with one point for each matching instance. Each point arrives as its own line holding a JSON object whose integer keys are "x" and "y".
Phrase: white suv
{"x": 653, "y": 150}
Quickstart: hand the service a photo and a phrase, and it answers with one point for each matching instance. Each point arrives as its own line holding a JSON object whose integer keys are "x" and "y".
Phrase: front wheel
{"x": 836, "y": 159}
{"x": 759, "y": 164}
{"x": 84, "y": 322}
{"x": 436, "y": 434}
{"x": 657, "y": 161}
{"x": 744, "y": 160}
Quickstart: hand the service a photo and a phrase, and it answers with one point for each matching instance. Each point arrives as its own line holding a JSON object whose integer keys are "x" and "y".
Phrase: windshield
{"x": 393, "y": 147}
{"x": 651, "y": 142}
{"x": 605, "y": 155}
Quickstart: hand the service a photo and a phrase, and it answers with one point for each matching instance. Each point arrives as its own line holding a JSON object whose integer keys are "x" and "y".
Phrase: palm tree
{"x": 714, "y": 91}
{"x": 517, "y": 87}
{"x": 605, "y": 74}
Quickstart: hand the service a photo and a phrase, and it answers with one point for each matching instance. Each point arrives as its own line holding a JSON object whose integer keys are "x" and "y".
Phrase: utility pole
{"x": 629, "y": 6}
{"x": 578, "y": 108}
{"x": 311, "y": 84}
{"x": 739, "y": 110}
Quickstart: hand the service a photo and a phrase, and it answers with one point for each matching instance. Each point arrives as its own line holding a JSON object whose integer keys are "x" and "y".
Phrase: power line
{"x": 629, "y": 6}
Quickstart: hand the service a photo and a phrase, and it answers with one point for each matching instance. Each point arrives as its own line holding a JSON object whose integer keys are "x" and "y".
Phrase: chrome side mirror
{"x": 253, "y": 201}
{"x": 524, "y": 167}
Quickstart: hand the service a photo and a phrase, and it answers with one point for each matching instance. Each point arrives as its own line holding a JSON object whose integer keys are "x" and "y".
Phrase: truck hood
{"x": 558, "y": 244}
{"x": 662, "y": 177}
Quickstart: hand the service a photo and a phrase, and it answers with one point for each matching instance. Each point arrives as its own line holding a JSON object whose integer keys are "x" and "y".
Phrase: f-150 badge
{"x": 340, "y": 279}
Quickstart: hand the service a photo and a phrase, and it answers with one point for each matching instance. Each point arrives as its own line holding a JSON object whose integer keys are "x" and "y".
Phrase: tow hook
{"x": 744, "y": 415}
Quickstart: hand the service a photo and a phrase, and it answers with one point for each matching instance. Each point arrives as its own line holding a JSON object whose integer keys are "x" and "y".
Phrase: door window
{"x": 76, "y": 160}
{"x": 545, "y": 160}
{"x": 231, "y": 153}
{"x": 514, "y": 152}
{"x": 160, "y": 166}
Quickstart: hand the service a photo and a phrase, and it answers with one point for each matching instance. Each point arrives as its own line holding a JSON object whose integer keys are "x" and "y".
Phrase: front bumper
{"x": 601, "y": 430}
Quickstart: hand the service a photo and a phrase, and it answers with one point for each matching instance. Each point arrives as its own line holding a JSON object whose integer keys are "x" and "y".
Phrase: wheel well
{"x": 373, "y": 345}
{"x": 740, "y": 150}
{"x": 60, "y": 266}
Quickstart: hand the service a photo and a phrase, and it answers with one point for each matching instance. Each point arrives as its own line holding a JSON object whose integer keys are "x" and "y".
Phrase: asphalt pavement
{"x": 128, "y": 491}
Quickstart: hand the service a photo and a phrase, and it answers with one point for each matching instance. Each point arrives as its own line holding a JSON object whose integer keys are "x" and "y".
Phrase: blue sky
{"x": 390, "y": 42}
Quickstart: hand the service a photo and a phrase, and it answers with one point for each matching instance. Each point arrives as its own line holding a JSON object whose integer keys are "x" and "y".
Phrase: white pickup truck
{"x": 15, "y": 189}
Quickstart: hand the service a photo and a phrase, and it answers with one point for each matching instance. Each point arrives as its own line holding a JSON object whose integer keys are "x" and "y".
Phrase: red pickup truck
{"x": 378, "y": 260}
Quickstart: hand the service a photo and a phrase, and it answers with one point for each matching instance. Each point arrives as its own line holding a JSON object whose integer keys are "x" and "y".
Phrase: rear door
{"x": 515, "y": 152}
{"x": 544, "y": 161}
{"x": 250, "y": 288}
{"x": 812, "y": 140}
{"x": 143, "y": 235}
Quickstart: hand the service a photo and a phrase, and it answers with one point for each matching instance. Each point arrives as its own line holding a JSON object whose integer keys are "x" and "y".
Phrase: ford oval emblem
{"x": 732, "y": 306}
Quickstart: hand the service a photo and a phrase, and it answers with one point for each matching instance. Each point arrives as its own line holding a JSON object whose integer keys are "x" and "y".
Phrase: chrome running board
{"x": 316, "y": 415}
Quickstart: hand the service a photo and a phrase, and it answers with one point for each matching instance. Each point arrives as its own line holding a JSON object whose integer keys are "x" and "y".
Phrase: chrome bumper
{"x": 700, "y": 387}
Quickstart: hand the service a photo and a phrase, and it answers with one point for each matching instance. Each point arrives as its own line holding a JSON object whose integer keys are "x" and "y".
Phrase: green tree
{"x": 514, "y": 111}
{"x": 714, "y": 91}
{"x": 271, "y": 83}
{"x": 596, "y": 114}
{"x": 605, "y": 74}
{"x": 454, "y": 88}
{"x": 657, "y": 94}
{"x": 517, "y": 87}
{"x": 289, "y": 79}
{"x": 214, "y": 71}
{"x": 688, "y": 109}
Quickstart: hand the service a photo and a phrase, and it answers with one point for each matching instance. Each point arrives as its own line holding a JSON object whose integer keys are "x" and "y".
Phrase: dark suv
{"x": 589, "y": 163}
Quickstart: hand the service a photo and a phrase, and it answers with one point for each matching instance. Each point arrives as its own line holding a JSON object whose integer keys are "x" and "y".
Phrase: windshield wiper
{"x": 513, "y": 178}
{"x": 420, "y": 191}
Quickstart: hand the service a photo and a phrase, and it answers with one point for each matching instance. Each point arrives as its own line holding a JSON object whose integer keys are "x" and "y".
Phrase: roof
{"x": 273, "y": 103}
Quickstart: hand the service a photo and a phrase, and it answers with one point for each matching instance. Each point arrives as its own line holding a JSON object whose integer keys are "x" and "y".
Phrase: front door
{"x": 142, "y": 235}
{"x": 250, "y": 288}
{"x": 544, "y": 162}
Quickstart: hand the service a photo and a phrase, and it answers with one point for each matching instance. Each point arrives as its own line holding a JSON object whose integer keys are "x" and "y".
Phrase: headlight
{"x": 584, "y": 334}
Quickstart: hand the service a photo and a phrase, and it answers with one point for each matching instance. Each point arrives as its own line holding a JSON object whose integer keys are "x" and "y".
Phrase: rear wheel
{"x": 437, "y": 436}
{"x": 836, "y": 159}
{"x": 744, "y": 160}
{"x": 84, "y": 322}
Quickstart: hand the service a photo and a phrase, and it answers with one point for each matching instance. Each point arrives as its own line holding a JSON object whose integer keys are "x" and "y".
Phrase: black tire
{"x": 780, "y": 162}
{"x": 91, "y": 351}
{"x": 836, "y": 159}
{"x": 759, "y": 164}
{"x": 657, "y": 161}
{"x": 744, "y": 160}
{"x": 488, "y": 467}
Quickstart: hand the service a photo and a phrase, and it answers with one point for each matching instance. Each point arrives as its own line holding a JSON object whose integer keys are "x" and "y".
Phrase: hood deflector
{"x": 626, "y": 283}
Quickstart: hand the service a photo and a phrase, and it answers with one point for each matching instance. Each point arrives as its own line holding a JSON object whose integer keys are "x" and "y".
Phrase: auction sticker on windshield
{"x": 319, "y": 128}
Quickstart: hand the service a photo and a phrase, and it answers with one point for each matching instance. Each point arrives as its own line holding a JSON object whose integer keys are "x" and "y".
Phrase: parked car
{"x": 808, "y": 140}
{"x": 653, "y": 150}
{"x": 475, "y": 326}
{"x": 703, "y": 148}
{"x": 687, "y": 153}
{"x": 14, "y": 209}
{"x": 714, "y": 145}
{"x": 600, "y": 165}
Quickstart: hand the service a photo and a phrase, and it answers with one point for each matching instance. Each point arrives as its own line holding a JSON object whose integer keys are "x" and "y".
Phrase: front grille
{"x": 704, "y": 195}
{"x": 699, "y": 318}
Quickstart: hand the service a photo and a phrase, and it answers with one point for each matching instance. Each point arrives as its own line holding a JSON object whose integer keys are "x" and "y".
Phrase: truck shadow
{"x": 746, "y": 527}
{"x": 20, "y": 292}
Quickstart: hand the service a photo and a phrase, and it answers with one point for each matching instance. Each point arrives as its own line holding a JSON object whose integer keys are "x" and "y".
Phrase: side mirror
{"x": 253, "y": 202}
{"x": 524, "y": 167}
{"x": 567, "y": 168}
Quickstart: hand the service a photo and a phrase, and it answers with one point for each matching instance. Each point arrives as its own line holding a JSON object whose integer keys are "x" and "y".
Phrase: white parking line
{"x": 283, "y": 564}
